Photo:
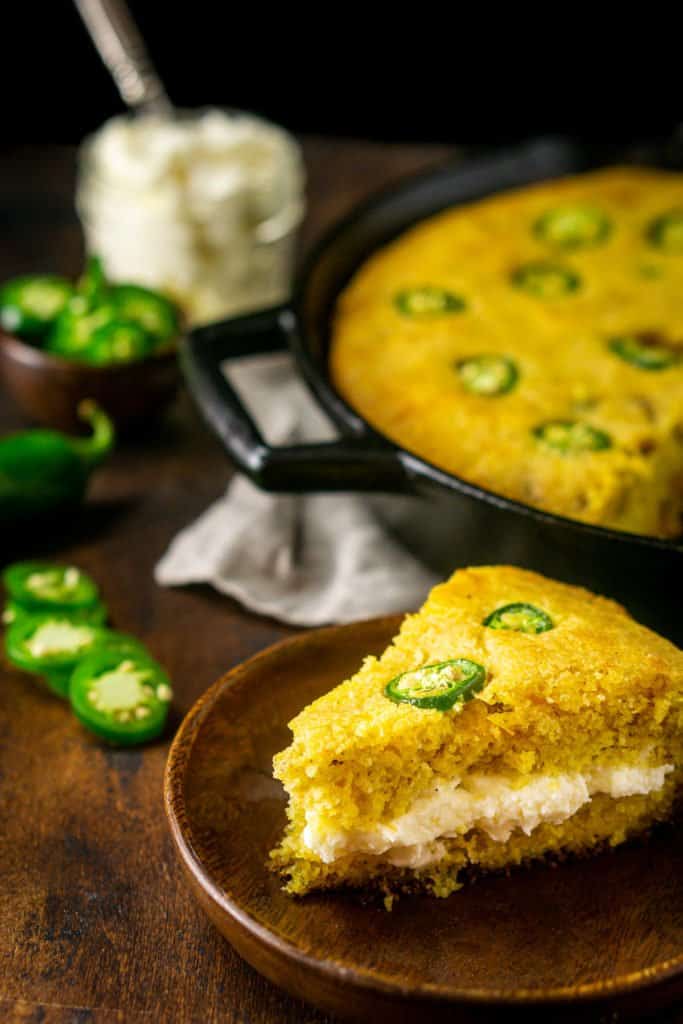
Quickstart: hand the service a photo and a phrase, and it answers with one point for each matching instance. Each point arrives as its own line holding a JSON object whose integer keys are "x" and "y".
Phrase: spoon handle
{"x": 122, "y": 48}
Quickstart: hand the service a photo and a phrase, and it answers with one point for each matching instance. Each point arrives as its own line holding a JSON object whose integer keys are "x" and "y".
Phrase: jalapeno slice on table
{"x": 123, "y": 698}
{"x": 571, "y": 437}
{"x": 545, "y": 280}
{"x": 520, "y": 618}
{"x": 646, "y": 351}
{"x": 96, "y": 613}
{"x": 119, "y": 341}
{"x": 45, "y": 585}
{"x": 666, "y": 231}
{"x": 29, "y": 304}
{"x": 488, "y": 375}
{"x": 573, "y": 227}
{"x": 43, "y": 471}
{"x": 428, "y": 300}
{"x": 51, "y": 646}
{"x": 156, "y": 314}
{"x": 439, "y": 686}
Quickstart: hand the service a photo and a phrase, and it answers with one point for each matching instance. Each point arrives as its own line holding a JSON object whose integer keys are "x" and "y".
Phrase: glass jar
{"x": 205, "y": 207}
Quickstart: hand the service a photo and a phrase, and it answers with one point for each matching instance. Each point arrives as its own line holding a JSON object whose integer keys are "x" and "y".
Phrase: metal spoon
{"x": 122, "y": 48}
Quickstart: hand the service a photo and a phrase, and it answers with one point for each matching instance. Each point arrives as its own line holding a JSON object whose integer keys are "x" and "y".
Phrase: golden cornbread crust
{"x": 399, "y": 371}
{"x": 597, "y": 689}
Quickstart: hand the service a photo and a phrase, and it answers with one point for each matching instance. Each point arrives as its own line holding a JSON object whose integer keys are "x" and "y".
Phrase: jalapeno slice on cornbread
{"x": 545, "y": 280}
{"x": 439, "y": 686}
{"x": 666, "y": 231}
{"x": 520, "y": 618}
{"x": 647, "y": 351}
{"x": 571, "y": 437}
{"x": 573, "y": 227}
{"x": 428, "y": 301}
{"x": 489, "y": 375}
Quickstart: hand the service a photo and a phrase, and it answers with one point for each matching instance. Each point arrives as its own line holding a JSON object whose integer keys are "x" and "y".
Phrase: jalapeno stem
{"x": 92, "y": 450}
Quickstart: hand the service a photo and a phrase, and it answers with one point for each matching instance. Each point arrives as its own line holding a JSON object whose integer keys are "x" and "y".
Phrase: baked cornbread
{"x": 532, "y": 343}
{"x": 513, "y": 717}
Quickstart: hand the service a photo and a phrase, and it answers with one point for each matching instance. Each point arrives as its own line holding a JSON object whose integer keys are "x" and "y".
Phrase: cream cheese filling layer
{"x": 495, "y": 804}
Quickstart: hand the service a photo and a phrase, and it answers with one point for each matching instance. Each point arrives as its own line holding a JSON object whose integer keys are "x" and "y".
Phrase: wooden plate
{"x": 605, "y": 933}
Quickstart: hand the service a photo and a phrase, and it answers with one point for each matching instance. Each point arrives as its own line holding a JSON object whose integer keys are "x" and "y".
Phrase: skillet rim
{"x": 349, "y": 420}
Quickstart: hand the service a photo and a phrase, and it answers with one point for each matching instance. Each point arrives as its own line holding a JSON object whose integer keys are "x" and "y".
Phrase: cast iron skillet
{"x": 444, "y": 519}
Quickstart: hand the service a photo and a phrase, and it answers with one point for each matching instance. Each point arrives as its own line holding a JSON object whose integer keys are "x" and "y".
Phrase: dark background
{"x": 476, "y": 74}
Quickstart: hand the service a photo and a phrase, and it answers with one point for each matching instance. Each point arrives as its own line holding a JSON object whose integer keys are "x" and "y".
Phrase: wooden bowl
{"x": 587, "y": 938}
{"x": 48, "y": 388}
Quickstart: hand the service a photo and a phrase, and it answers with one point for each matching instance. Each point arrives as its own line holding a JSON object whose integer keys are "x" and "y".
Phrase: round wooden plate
{"x": 595, "y": 935}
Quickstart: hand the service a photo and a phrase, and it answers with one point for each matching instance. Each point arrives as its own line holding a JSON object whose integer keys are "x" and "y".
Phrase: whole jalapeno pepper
{"x": 42, "y": 470}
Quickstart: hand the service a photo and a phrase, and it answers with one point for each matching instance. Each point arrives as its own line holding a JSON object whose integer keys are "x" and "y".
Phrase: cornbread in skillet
{"x": 532, "y": 343}
{"x": 566, "y": 735}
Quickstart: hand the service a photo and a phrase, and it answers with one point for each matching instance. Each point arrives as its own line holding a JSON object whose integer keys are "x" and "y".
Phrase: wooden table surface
{"x": 96, "y": 923}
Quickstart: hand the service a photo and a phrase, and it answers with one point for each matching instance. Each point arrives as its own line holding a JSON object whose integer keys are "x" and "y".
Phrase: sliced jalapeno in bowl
{"x": 73, "y": 330}
{"x": 545, "y": 280}
{"x": 151, "y": 311}
{"x": 572, "y": 437}
{"x": 119, "y": 341}
{"x": 488, "y": 375}
{"x": 573, "y": 227}
{"x": 29, "y": 304}
{"x": 123, "y": 698}
{"x": 666, "y": 232}
{"x": 439, "y": 686}
{"x": 520, "y": 618}
{"x": 646, "y": 351}
{"x": 42, "y": 586}
{"x": 428, "y": 301}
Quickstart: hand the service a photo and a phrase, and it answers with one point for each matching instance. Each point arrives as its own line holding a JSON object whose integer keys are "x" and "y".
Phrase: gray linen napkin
{"x": 303, "y": 559}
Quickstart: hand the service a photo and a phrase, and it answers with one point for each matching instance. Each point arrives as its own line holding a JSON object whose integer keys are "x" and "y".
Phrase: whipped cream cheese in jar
{"x": 204, "y": 206}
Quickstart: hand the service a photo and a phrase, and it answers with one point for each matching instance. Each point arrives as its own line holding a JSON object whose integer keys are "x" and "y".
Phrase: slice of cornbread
{"x": 535, "y": 718}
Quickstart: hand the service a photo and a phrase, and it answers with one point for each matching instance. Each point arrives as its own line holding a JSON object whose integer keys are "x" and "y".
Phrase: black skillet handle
{"x": 355, "y": 464}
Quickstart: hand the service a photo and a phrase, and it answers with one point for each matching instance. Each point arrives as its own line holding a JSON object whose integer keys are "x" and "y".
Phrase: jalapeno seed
{"x": 571, "y": 437}
{"x": 489, "y": 375}
{"x": 519, "y": 617}
{"x": 439, "y": 686}
{"x": 428, "y": 301}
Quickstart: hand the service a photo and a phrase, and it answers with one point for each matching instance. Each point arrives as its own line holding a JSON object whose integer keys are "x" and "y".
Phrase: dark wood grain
{"x": 605, "y": 932}
{"x": 96, "y": 922}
